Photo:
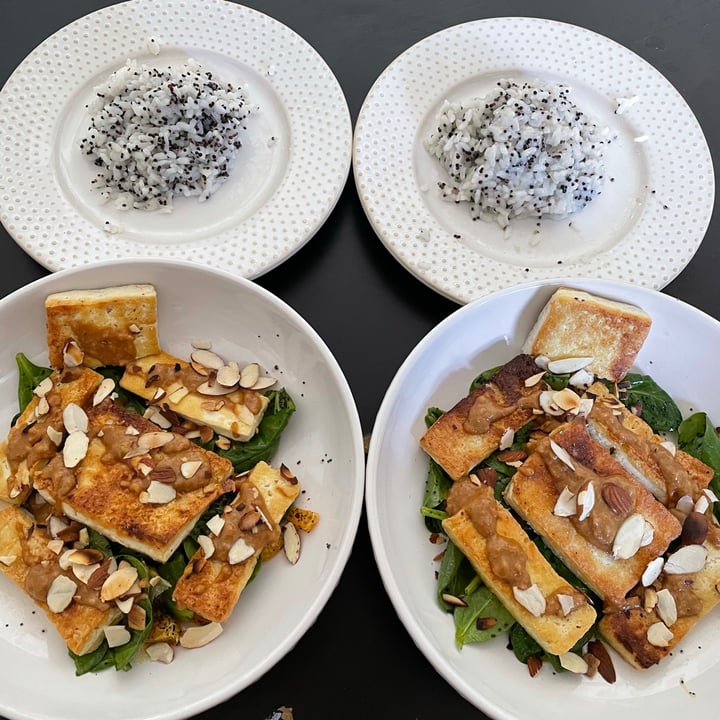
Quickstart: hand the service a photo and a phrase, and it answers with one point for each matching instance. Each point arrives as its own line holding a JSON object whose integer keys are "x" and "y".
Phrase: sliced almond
{"x": 531, "y": 599}
{"x": 160, "y": 652}
{"x": 666, "y": 607}
{"x": 43, "y": 387}
{"x": 56, "y": 546}
{"x": 567, "y": 399}
{"x": 649, "y": 599}
{"x": 586, "y": 500}
{"x": 116, "y": 635}
{"x": 566, "y": 602}
{"x": 291, "y": 543}
{"x": 213, "y": 389}
{"x": 582, "y": 379}
{"x": 43, "y": 407}
{"x": 60, "y": 593}
{"x": 178, "y": 394}
{"x": 249, "y": 375}
{"x": 75, "y": 418}
{"x": 119, "y": 582}
{"x": 202, "y": 343}
{"x": 207, "y": 545}
{"x": 534, "y": 379}
{"x": 453, "y": 600}
{"x": 566, "y": 504}
{"x": 240, "y": 551}
{"x": 228, "y": 376}
{"x": 105, "y": 389}
{"x": 75, "y": 448}
{"x": 154, "y": 439}
{"x": 507, "y": 439}
{"x": 629, "y": 537}
{"x": 685, "y": 504}
{"x": 125, "y": 605}
{"x": 659, "y": 635}
{"x": 263, "y": 383}
{"x": 701, "y": 504}
{"x": 158, "y": 493}
{"x": 55, "y": 436}
{"x": 8, "y": 560}
{"x": 73, "y": 356}
{"x": 189, "y": 468}
{"x": 652, "y": 571}
{"x": 199, "y": 635}
{"x": 85, "y": 556}
{"x": 562, "y": 454}
{"x": 563, "y": 366}
{"x": 215, "y": 524}
{"x": 547, "y": 403}
{"x": 574, "y": 663}
{"x": 208, "y": 359}
{"x": 688, "y": 559}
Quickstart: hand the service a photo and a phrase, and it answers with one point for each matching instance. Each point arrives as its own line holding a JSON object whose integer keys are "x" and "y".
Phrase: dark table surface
{"x": 357, "y": 661}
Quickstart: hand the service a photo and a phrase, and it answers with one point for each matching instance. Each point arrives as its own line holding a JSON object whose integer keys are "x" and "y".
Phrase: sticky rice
{"x": 524, "y": 149}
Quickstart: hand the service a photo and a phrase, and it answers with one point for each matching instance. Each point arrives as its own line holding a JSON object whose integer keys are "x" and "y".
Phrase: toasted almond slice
{"x": 239, "y": 551}
{"x": 659, "y": 635}
{"x": 43, "y": 407}
{"x": 215, "y": 524}
{"x": 85, "y": 556}
{"x": 55, "y": 436}
{"x": 56, "y": 525}
{"x": 687, "y": 559}
{"x": 531, "y": 599}
{"x": 567, "y": 399}
{"x": 574, "y": 663}
{"x": 212, "y": 389}
{"x": 249, "y": 375}
{"x": 199, "y": 635}
{"x": 228, "y": 376}
{"x": 652, "y": 571}
{"x": 60, "y": 593}
{"x": 154, "y": 439}
{"x": 666, "y": 607}
{"x": 105, "y": 389}
{"x": 534, "y": 379}
{"x": 178, "y": 394}
{"x": 158, "y": 493}
{"x": 207, "y": 545}
{"x": 125, "y": 605}
{"x": 75, "y": 418}
{"x": 208, "y": 359}
{"x": 116, "y": 635}
{"x": 685, "y": 504}
{"x": 119, "y": 582}
{"x": 75, "y": 448}
{"x": 562, "y": 366}
{"x": 263, "y": 383}
{"x": 562, "y": 454}
{"x": 581, "y": 379}
{"x": 546, "y": 400}
{"x": 202, "y": 343}
{"x": 244, "y": 414}
{"x": 56, "y": 545}
{"x": 291, "y": 543}
{"x": 629, "y": 537}
{"x": 73, "y": 355}
{"x": 8, "y": 559}
{"x": 43, "y": 387}
{"x": 189, "y": 468}
{"x": 453, "y": 600}
{"x": 507, "y": 439}
{"x": 160, "y": 652}
{"x": 566, "y": 504}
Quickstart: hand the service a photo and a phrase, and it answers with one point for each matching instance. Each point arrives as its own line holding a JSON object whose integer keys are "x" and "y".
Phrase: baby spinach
{"x": 698, "y": 437}
{"x": 482, "y": 605}
{"x": 642, "y": 394}
{"x": 30, "y": 376}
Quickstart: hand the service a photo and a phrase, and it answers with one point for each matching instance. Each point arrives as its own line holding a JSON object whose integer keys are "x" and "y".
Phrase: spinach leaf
{"x": 245, "y": 455}
{"x": 482, "y": 605}
{"x": 484, "y": 377}
{"x": 523, "y": 645}
{"x": 653, "y": 404}
{"x": 557, "y": 382}
{"x": 432, "y": 414}
{"x": 30, "y": 376}
{"x": 454, "y": 576}
{"x": 698, "y": 437}
{"x": 98, "y": 659}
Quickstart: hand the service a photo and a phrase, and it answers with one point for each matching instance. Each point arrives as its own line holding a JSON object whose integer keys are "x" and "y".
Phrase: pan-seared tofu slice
{"x": 211, "y": 585}
{"x": 112, "y": 326}
{"x": 667, "y": 472}
{"x": 173, "y": 383}
{"x": 555, "y": 614}
{"x": 598, "y": 519}
{"x": 647, "y": 628}
{"x": 138, "y": 485}
{"x": 575, "y": 324}
{"x": 27, "y": 559}
{"x": 469, "y": 432}
{"x": 40, "y": 429}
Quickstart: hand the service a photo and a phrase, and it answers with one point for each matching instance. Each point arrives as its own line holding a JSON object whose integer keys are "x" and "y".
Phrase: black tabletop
{"x": 357, "y": 661}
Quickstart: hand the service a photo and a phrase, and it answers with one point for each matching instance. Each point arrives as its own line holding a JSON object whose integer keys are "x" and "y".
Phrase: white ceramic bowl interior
{"x": 322, "y": 445}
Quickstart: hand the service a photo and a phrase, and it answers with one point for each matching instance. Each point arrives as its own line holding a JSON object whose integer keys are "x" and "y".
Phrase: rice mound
{"x": 524, "y": 149}
{"x": 156, "y": 134}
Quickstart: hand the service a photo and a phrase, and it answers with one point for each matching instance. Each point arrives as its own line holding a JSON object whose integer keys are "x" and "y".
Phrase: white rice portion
{"x": 156, "y": 134}
{"x": 522, "y": 150}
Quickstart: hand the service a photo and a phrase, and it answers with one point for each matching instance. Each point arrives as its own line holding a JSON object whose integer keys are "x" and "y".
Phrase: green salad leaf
{"x": 484, "y": 618}
{"x": 651, "y": 402}
{"x": 29, "y": 377}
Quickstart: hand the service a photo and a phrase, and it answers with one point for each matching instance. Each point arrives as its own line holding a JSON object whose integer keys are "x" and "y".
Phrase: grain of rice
{"x": 524, "y": 149}
{"x": 156, "y": 134}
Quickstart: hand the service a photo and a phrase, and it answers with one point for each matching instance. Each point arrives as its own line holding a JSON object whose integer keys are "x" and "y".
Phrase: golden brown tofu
{"x": 586, "y": 536}
{"x": 469, "y": 432}
{"x": 628, "y": 628}
{"x": 112, "y": 326}
{"x": 666, "y": 474}
{"x": 235, "y": 415}
{"x": 507, "y": 561}
{"x": 137, "y": 485}
{"x": 26, "y": 558}
{"x": 575, "y": 323}
{"x": 211, "y": 586}
{"x": 39, "y": 430}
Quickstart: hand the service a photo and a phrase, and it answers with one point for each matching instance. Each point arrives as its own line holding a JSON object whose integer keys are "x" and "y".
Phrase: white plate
{"x": 644, "y": 228}
{"x": 278, "y": 195}
{"x": 322, "y": 444}
{"x": 438, "y": 372}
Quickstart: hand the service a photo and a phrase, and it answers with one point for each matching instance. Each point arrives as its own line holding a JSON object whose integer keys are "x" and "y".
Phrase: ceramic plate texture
{"x": 322, "y": 445}
{"x": 645, "y": 226}
{"x": 287, "y": 177}
{"x": 480, "y": 335}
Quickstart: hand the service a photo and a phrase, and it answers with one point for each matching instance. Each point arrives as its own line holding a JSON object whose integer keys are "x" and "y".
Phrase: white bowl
{"x": 322, "y": 444}
{"x": 680, "y": 354}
